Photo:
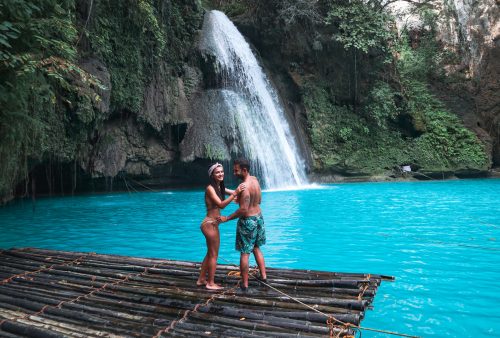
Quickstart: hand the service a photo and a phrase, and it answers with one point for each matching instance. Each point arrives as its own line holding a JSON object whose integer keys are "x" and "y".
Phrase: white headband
{"x": 212, "y": 168}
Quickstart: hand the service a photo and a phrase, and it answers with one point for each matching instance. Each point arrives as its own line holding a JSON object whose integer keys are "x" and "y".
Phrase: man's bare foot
{"x": 214, "y": 287}
{"x": 201, "y": 283}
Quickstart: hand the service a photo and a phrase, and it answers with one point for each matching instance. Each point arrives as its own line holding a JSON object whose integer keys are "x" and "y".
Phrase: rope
{"x": 331, "y": 319}
{"x": 126, "y": 185}
{"x": 142, "y": 185}
{"x": 362, "y": 293}
{"x": 197, "y": 306}
{"x": 27, "y": 273}
{"x": 73, "y": 300}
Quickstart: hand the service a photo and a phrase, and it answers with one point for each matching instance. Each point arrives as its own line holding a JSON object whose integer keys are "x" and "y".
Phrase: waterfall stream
{"x": 262, "y": 126}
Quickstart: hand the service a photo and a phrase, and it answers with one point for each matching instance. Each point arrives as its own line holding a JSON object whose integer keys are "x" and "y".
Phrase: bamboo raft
{"x": 45, "y": 293}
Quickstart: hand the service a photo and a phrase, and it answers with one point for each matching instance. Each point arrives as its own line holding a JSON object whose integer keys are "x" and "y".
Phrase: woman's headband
{"x": 212, "y": 168}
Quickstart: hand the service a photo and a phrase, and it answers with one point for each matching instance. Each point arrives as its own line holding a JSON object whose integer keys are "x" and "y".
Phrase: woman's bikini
{"x": 210, "y": 219}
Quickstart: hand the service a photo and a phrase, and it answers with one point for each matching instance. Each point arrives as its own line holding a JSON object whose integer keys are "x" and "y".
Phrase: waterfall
{"x": 263, "y": 129}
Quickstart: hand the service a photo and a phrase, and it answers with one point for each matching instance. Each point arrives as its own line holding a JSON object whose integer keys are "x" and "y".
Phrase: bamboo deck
{"x": 46, "y": 293}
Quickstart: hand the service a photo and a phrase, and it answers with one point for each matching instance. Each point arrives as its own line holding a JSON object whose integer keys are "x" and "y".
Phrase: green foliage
{"x": 342, "y": 140}
{"x": 48, "y": 104}
{"x": 360, "y": 25}
{"x": 345, "y": 140}
{"x": 41, "y": 88}
{"x": 231, "y": 8}
{"x": 445, "y": 143}
{"x": 382, "y": 106}
{"x": 292, "y": 12}
{"x": 134, "y": 38}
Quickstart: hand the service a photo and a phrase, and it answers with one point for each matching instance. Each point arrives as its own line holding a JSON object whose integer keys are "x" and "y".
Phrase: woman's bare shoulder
{"x": 210, "y": 190}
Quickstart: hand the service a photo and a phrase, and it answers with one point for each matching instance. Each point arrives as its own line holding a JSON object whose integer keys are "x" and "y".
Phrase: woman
{"x": 214, "y": 200}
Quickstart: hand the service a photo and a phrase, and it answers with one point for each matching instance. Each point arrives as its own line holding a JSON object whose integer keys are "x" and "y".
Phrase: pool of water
{"x": 440, "y": 239}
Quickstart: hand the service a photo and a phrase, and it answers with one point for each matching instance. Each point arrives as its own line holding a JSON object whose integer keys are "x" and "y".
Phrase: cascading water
{"x": 263, "y": 129}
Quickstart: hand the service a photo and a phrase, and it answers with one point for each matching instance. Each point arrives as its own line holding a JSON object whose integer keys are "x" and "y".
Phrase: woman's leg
{"x": 211, "y": 233}
{"x": 202, "y": 279}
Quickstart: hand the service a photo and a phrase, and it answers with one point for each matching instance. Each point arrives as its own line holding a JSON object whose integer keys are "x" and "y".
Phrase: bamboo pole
{"x": 64, "y": 292}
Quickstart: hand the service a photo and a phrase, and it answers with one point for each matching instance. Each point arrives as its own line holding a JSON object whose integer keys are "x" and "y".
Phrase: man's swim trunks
{"x": 250, "y": 232}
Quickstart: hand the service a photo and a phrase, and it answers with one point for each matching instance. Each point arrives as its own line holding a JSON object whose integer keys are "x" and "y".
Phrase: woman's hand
{"x": 240, "y": 188}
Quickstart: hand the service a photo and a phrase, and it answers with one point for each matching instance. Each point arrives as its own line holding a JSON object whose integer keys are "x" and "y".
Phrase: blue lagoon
{"x": 440, "y": 240}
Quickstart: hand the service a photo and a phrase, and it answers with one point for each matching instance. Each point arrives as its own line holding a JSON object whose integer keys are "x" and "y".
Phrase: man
{"x": 250, "y": 231}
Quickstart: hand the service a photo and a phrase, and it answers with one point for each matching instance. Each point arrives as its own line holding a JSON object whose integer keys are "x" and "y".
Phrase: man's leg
{"x": 244, "y": 269}
{"x": 259, "y": 258}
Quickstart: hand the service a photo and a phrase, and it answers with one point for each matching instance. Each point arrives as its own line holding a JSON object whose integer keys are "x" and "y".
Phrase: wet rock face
{"x": 213, "y": 131}
{"x": 98, "y": 69}
{"x": 166, "y": 102}
{"x": 472, "y": 30}
{"x": 477, "y": 36}
{"x": 141, "y": 144}
{"x": 487, "y": 100}
{"x": 471, "y": 26}
{"x": 127, "y": 147}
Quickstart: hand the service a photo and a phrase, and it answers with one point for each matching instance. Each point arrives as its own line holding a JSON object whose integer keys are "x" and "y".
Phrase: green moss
{"x": 36, "y": 73}
{"x": 231, "y": 8}
{"x": 448, "y": 145}
{"x": 214, "y": 153}
{"x": 134, "y": 38}
{"x": 47, "y": 103}
{"x": 342, "y": 140}
{"x": 396, "y": 119}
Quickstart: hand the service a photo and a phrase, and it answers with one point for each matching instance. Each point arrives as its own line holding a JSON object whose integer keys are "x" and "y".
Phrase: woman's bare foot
{"x": 201, "y": 283}
{"x": 214, "y": 287}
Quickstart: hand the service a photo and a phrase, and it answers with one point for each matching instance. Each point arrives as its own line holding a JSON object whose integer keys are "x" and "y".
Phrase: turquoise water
{"x": 440, "y": 239}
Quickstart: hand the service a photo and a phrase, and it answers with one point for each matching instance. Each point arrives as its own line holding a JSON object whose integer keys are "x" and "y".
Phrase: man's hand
{"x": 221, "y": 219}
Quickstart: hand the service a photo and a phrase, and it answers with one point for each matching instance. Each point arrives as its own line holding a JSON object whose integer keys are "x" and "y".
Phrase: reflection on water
{"x": 441, "y": 240}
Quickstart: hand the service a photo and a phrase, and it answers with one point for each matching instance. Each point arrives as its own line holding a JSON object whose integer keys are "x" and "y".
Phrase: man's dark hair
{"x": 243, "y": 163}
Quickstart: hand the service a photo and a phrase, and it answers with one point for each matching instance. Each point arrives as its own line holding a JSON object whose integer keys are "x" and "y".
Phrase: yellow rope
{"x": 331, "y": 319}
{"x": 234, "y": 273}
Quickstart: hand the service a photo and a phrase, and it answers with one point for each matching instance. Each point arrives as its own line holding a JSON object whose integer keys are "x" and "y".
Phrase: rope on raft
{"x": 72, "y": 300}
{"x": 336, "y": 327}
{"x": 330, "y": 320}
{"x": 197, "y": 306}
{"x": 51, "y": 267}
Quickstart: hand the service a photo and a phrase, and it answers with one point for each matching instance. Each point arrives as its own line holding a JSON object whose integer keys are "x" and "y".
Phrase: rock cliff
{"x": 147, "y": 119}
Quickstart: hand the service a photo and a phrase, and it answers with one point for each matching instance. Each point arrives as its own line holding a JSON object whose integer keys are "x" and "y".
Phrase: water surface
{"x": 439, "y": 239}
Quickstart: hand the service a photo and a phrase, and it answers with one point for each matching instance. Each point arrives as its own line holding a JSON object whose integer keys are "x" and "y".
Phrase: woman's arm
{"x": 242, "y": 210}
{"x": 217, "y": 201}
{"x": 238, "y": 189}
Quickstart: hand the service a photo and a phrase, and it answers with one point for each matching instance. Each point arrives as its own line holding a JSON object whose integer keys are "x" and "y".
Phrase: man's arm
{"x": 242, "y": 210}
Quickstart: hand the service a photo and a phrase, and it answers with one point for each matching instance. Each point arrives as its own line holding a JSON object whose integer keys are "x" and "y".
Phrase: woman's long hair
{"x": 220, "y": 192}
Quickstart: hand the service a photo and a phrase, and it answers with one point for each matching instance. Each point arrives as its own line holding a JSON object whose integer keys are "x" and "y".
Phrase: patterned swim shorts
{"x": 250, "y": 232}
